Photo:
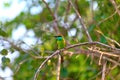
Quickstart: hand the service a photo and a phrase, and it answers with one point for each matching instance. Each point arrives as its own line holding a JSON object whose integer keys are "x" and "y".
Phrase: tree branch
{"x": 97, "y": 55}
{"x": 115, "y": 6}
{"x": 81, "y": 21}
{"x": 103, "y": 71}
{"x": 58, "y": 67}
{"x": 106, "y": 18}
{"x": 43, "y": 63}
{"x": 55, "y": 25}
{"x": 72, "y": 46}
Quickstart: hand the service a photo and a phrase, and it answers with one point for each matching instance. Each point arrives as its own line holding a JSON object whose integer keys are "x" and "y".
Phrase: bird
{"x": 60, "y": 41}
{"x": 60, "y": 45}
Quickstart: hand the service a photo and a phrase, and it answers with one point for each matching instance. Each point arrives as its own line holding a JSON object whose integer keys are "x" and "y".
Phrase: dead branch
{"x": 81, "y": 21}
{"x": 55, "y": 24}
{"x": 72, "y": 46}
{"x": 115, "y": 6}
{"x": 58, "y": 67}
{"x": 103, "y": 71}
{"x": 43, "y": 63}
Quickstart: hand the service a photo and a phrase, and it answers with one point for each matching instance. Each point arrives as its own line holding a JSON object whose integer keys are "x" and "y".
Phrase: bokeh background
{"x": 27, "y": 30}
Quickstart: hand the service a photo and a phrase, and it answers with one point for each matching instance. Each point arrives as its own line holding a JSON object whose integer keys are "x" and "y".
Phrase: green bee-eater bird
{"x": 61, "y": 44}
{"x": 60, "y": 41}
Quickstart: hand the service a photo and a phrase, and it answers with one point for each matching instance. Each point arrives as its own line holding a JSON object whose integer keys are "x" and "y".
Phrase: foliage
{"x": 43, "y": 24}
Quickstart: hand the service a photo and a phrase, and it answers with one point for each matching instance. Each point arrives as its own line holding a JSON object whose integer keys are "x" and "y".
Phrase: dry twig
{"x": 103, "y": 71}
{"x": 58, "y": 67}
{"x": 72, "y": 46}
{"x": 115, "y": 6}
{"x": 54, "y": 17}
{"x": 81, "y": 21}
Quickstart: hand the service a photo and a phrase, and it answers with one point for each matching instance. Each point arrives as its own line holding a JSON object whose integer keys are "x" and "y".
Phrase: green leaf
{"x": 5, "y": 60}
{"x": 3, "y": 33}
{"x": 103, "y": 39}
{"x": 4, "y": 52}
{"x": 118, "y": 1}
{"x": 64, "y": 72}
{"x": 6, "y": 4}
{"x": 91, "y": 28}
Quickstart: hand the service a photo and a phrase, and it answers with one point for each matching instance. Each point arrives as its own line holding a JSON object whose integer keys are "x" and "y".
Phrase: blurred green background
{"x": 27, "y": 30}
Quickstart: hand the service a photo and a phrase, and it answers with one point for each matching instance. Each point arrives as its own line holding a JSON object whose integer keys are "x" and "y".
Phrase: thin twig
{"x": 91, "y": 9}
{"x": 58, "y": 67}
{"x": 93, "y": 43}
{"x": 100, "y": 59}
{"x": 54, "y": 17}
{"x": 59, "y": 56}
{"x": 111, "y": 60}
{"x": 95, "y": 76}
{"x": 22, "y": 50}
{"x": 97, "y": 54}
{"x": 106, "y": 18}
{"x": 103, "y": 71}
{"x": 81, "y": 21}
{"x": 56, "y": 8}
{"x": 19, "y": 65}
{"x": 16, "y": 70}
{"x": 49, "y": 9}
{"x": 43, "y": 63}
{"x": 115, "y": 65}
{"x": 15, "y": 46}
{"x": 37, "y": 53}
{"x": 108, "y": 38}
{"x": 115, "y": 6}
{"x": 72, "y": 46}
{"x": 106, "y": 53}
{"x": 67, "y": 12}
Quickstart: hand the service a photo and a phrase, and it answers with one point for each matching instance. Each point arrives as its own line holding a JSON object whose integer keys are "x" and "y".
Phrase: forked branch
{"x": 72, "y": 46}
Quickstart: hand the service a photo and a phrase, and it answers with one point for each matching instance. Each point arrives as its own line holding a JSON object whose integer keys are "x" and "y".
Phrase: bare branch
{"x": 55, "y": 25}
{"x": 81, "y": 21}
{"x": 115, "y": 6}
{"x": 49, "y": 9}
{"x": 95, "y": 76}
{"x": 111, "y": 60}
{"x": 103, "y": 71}
{"x": 91, "y": 9}
{"x": 105, "y": 53}
{"x": 58, "y": 67}
{"x": 100, "y": 58}
{"x": 22, "y": 50}
{"x": 67, "y": 12}
{"x": 56, "y": 8}
{"x": 15, "y": 46}
{"x": 43, "y": 63}
{"x": 92, "y": 43}
{"x": 106, "y": 18}
{"x": 97, "y": 54}
{"x": 72, "y": 46}
{"x": 19, "y": 65}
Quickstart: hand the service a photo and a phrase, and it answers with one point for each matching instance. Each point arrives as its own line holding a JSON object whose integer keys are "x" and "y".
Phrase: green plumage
{"x": 60, "y": 42}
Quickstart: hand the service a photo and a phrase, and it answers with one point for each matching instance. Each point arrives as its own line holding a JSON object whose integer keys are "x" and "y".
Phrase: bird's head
{"x": 59, "y": 37}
